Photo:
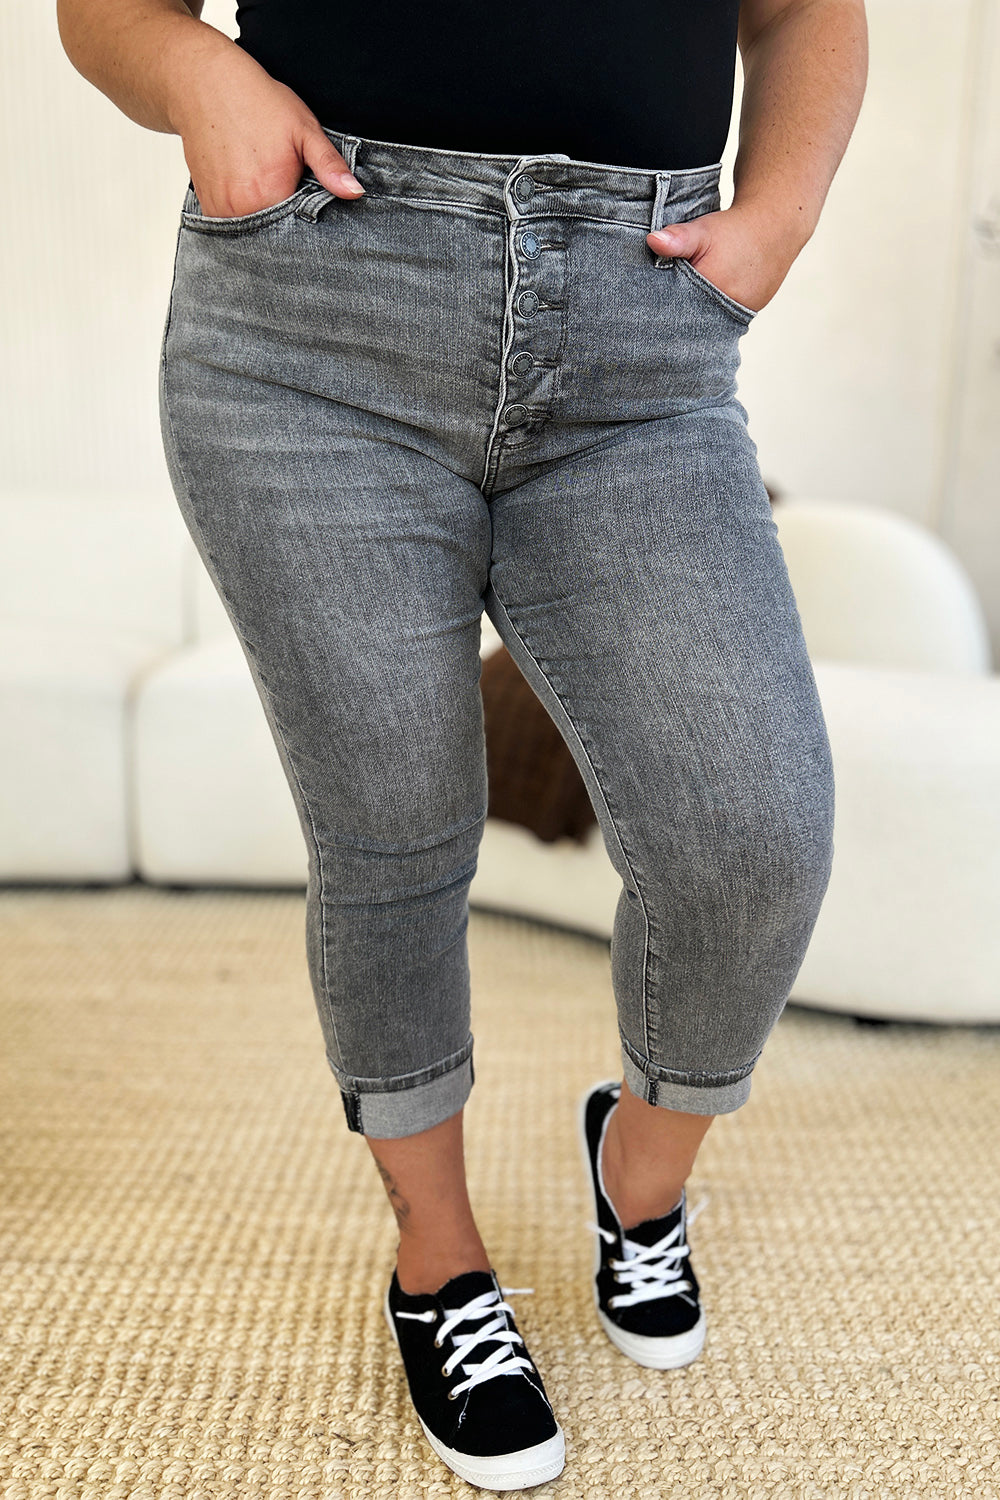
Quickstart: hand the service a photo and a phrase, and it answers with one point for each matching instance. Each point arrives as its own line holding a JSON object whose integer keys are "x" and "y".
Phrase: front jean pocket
{"x": 193, "y": 218}
{"x": 744, "y": 315}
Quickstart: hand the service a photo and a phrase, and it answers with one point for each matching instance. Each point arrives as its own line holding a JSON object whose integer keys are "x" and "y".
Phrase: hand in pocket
{"x": 248, "y": 139}
{"x": 727, "y": 249}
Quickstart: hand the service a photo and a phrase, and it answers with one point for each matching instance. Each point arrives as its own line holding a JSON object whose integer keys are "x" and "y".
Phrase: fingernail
{"x": 666, "y": 235}
{"x": 350, "y": 181}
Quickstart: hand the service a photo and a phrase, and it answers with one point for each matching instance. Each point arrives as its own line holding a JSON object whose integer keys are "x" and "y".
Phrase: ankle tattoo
{"x": 399, "y": 1204}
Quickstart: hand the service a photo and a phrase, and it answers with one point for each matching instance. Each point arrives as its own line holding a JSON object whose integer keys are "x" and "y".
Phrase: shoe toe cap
{"x": 494, "y": 1422}
{"x": 656, "y": 1320}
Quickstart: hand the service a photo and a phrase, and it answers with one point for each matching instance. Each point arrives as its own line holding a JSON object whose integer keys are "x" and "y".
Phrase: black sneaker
{"x": 645, "y": 1288}
{"x": 487, "y": 1416}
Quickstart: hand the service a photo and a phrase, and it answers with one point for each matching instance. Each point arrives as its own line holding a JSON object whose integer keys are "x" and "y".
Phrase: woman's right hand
{"x": 248, "y": 138}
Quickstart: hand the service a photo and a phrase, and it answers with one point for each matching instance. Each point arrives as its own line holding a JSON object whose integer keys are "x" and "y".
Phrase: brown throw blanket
{"x": 533, "y": 777}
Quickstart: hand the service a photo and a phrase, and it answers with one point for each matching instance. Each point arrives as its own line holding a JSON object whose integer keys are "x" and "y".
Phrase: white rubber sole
{"x": 506, "y": 1471}
{"x": 655, "y": 1354}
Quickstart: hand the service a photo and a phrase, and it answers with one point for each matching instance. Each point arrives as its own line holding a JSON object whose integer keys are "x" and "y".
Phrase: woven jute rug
{"x": 194, "y": 1247}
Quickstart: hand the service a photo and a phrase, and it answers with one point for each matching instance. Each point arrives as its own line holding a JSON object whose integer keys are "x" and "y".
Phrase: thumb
{"x": 319, "y": 153}
{"x": 684, "y": 240}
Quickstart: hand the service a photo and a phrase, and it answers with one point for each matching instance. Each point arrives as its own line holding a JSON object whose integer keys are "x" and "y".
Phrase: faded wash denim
{"x": 478, "y": 387}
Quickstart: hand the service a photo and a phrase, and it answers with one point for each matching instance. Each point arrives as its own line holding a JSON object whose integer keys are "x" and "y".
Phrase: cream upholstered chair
{"x": 909, "y": 926}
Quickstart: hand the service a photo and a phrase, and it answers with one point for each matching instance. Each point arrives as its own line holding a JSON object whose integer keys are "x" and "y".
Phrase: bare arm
{"x": 141, "y": 53}
{"x": 246, "y": 136}
{"x": 805, "y": 66}
{"x": 805, "y": 63}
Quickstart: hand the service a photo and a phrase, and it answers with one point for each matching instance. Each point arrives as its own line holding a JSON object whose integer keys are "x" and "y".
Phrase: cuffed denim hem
{"x": 719, "y": 1094}
{"x": 394, "y": 1107}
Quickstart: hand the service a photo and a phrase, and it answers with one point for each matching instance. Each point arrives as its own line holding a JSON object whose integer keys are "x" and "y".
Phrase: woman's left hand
{"x": 729, "y": 249}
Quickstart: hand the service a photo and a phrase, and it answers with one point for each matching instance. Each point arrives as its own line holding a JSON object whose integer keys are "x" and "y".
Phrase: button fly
{"x": 537, "y": 245}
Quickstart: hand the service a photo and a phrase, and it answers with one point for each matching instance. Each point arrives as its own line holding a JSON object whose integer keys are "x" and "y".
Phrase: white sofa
{"x": 91, "y": 597}
{"x": 134, "y": 745}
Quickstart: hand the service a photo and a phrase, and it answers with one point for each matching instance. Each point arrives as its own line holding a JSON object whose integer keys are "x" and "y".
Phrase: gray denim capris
{"x": 478, "y": 387}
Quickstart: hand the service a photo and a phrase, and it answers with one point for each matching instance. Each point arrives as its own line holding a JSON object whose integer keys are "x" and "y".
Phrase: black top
{"x": 635, "y": 83}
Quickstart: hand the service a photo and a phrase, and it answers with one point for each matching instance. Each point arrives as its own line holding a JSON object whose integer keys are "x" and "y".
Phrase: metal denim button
{"x": 524, "y": 187}
{"x": 529, "y": 244}
{"x": 515, "y": 415}
{"x": 521, "y": 363}
{"x": 527, "y": 304}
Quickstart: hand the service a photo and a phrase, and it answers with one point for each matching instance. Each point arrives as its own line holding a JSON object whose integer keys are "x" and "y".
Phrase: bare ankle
{"x": 424, "y": 1177}
{"x": 635, "y": 1208}
{"x": 637, "y": 1196}
{"x": 423, "y": 1268}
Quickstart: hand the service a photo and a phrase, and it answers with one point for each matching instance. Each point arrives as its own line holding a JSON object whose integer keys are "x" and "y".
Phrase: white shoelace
{"x": 502, "y": 1361}
{"x": 651, "y": 1270}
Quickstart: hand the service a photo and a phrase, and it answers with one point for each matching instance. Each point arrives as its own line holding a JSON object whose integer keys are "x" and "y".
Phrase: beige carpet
{"x": 194, "y": 1248}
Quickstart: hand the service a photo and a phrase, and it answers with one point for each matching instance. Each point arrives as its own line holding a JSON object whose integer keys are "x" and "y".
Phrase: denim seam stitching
{"x": 492, "y": 213}
{"x": 744, "y": 316}
{"x": 469, "y": 208}
{"x": 244, "y": 223}
{"x": 560, "y": 360}
{"x": 133, "y": 841}
{"x": 512, "y": 279}
{"x": 419, "y": 1078}
{"x": 603, "y": 796}
{"x": 284, "y": 733}
{"x": 689, "y": 1077}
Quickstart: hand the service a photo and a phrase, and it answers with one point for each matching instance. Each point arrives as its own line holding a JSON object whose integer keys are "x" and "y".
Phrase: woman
{"x": 454, "y": 324}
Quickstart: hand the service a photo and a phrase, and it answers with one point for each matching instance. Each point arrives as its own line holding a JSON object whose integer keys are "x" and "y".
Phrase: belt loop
{"x": 660, "y": 197}
{"x": 313, "y": 203}
{"x": 349, "y": 150}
